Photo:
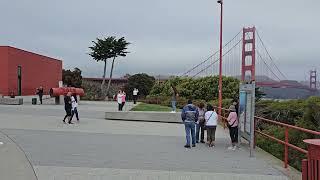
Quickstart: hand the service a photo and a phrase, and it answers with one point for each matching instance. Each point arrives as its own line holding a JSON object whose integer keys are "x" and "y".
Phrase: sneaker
{"x": 70, "y": 122}
{"x": 172, "y": 112}
{"x": 202, "y": 141}
{"x": 230, "y": 147}
{"x": 187, "y": 146}
{"x": 234, "y": 148}
{"x": 197, "y": 141}
{"x": 193, "y": 145}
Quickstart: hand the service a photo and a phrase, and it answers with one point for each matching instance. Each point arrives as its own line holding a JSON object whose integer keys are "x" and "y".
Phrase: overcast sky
{"x": 167, "y": 36}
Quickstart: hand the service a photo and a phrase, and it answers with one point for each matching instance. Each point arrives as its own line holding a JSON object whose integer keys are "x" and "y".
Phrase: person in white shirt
{"x": 135, "y": 95}
{"x": 74, "y": 110}
{"x": 119, "y": 100}
{"x": 211, "y": 118}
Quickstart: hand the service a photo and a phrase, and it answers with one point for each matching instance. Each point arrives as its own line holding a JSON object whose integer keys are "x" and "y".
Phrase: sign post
{"x": 246, "y": 114}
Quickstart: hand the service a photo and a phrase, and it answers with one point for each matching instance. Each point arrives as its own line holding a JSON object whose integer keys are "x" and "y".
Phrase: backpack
{"x": 201, "y": 115}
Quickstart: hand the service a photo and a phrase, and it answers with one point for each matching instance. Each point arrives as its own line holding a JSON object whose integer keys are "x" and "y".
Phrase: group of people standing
{"x": 198, "y": 119}
{"x": 71, "y": 107}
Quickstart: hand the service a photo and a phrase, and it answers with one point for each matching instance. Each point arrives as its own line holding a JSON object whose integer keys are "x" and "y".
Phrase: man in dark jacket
{"x": 40, "y": 93}
{"x": 67, "y": 108}
{"x": 189, "y": 116}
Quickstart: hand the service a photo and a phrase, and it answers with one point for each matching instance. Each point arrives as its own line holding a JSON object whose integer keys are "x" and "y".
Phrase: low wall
{"x": 144, "y": 116}
{"x": 11, "y": 101}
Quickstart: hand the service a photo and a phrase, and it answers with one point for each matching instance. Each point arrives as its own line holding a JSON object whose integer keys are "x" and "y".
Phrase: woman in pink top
{"x": 233, "y": 127}
{"x": 123, "y": 99}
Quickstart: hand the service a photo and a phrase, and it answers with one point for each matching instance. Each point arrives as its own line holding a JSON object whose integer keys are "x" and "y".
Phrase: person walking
{"x": 174, "y": 99}
{"x": 233, "y": 127}
{"x": 123, "y": 99}
{"x": 135, "y": 95}
{"x": 74, "y": 105}
{"x": 200, "y": 124}
{"x": 211, "y": 118}
{"x": 119, "y": 100}
{"x": 40, "y": 93}
{"x": 67, "y": 108}
{"x": 189, "y": 116}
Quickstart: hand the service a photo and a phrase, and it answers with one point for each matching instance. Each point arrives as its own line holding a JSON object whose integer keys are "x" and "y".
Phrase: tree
{"x": 72, "y": 78}
{"x": 143, "y": 82}
{"x": 259, "y": 94}
{"x": 106, "y": 48}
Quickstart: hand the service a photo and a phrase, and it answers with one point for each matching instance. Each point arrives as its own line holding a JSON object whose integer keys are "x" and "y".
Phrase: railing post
{"x": 286, "y": 134}
{"x": 304, "y": 169}
{"x": 313, "y": 158}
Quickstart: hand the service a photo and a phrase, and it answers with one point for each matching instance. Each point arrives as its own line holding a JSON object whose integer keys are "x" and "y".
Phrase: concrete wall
{"x": 36, "y": 70}
{"x": 144, "y": 116}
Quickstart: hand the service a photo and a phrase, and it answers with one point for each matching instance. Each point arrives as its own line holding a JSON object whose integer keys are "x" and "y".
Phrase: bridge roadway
{"x": 98, "y": 149}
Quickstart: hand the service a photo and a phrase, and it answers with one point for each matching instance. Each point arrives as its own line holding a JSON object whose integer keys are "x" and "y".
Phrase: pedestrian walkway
{"x": 13, "y": 163}
{"x": 101, "y": 149}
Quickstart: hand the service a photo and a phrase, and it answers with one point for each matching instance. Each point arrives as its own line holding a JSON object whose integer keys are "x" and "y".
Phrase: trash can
{"x": 34, "y": 101}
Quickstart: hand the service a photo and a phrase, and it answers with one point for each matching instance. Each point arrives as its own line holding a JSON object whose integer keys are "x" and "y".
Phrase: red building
{"x": 21, "y": 72}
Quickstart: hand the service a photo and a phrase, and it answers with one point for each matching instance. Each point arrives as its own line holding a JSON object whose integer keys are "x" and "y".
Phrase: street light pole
{"x": 220, "y": 61}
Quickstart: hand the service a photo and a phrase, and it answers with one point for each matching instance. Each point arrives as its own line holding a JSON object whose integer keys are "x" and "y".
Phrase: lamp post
{"x": 220, "y": 61}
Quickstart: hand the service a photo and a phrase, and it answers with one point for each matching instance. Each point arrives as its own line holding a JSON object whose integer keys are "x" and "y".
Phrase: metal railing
{"x": 284, "y": 142}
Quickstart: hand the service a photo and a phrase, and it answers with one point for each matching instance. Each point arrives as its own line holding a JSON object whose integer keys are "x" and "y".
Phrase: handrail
{"x": 286, "y": 128}
{"x": 288, "y": 125}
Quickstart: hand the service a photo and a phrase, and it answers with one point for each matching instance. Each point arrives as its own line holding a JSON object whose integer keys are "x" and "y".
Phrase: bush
{"x": 205, "y": 88}
{"x": 302, "y": 113}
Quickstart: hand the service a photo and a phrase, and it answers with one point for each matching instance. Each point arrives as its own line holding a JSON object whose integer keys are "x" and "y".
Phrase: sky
{"x": 168, "y": 36}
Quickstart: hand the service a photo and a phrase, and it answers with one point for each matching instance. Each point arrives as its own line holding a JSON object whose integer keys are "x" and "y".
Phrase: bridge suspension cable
{"x": 270, "y": 57}
{"x": 215, "y": 53}
{"x": 210, "y": 65}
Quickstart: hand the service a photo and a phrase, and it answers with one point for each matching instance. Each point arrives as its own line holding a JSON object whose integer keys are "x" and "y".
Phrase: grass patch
{"x": 151, "y": 107}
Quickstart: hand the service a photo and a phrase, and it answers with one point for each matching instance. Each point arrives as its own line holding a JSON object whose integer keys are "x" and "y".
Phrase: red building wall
{"x": 36, "y": 70}
{"x": 4, "y": 70}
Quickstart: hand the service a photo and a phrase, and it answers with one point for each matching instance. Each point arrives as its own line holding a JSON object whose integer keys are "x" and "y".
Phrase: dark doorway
{"x": 19, "y": 80}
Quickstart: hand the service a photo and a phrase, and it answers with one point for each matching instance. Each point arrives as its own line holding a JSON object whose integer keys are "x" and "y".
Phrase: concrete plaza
{"x": 103, "y": 149}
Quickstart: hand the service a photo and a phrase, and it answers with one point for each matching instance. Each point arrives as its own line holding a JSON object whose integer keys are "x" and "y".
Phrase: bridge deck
{"x": 99, "y": 149}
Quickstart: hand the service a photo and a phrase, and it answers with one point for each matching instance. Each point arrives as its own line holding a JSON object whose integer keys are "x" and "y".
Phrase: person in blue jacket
{"x": 189, "y": 116}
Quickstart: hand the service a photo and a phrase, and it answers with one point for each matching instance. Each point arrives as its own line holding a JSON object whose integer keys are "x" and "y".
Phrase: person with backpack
{"x": 211, "y": 118}
{"x": 189, "y": 116}
{"x": 233, "y": 127}
{"x": 200, "y": 124}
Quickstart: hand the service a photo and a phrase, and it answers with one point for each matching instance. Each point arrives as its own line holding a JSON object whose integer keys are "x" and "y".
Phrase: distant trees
{"x": 108, "y": 48}
{"x": 143, "y": 82}
{"x": 72, "y": 78}
{"x": 205, "y": 88}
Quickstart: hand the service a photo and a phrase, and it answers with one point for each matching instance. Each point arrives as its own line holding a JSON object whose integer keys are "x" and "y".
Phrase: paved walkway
{"x": 100, "y": 149}
{"x": 13, "y": 162}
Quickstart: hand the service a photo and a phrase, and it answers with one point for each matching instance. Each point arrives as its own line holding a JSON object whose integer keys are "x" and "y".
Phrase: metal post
{"x": 304, "y": 169}
{"x": 252, "y": 121}
{"x": 220, "y": 61}
{"x": 286, "y": 147}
